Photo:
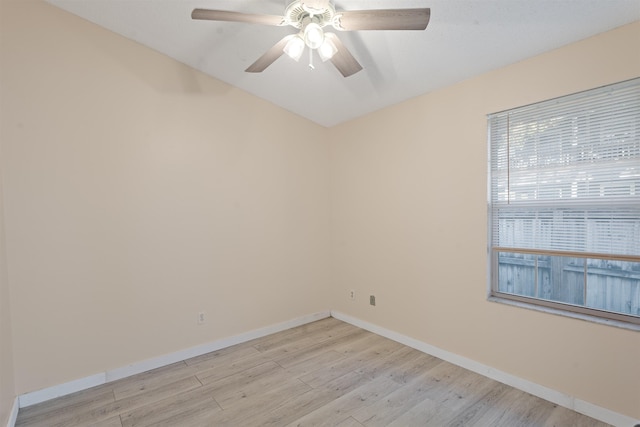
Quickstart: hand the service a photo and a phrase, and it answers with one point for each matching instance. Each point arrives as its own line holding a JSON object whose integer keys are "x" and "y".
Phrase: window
{"x": 564, "y": 199}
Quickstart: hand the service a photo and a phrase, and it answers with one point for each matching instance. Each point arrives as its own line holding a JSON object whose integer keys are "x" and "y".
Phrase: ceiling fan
{"x": 310, "y": 17}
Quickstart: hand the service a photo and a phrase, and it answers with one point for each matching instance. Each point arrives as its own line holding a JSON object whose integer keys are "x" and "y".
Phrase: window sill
{"x": 565, "y": 313}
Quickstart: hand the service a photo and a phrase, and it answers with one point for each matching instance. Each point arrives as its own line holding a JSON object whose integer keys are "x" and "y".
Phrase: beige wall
{"x": 139, "y": 192}
{"x": 7, "y": 391}
{"x": 409, "y": 225}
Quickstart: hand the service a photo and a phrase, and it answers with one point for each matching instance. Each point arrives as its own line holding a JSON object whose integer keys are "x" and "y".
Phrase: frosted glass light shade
{"x": 327, "y": 49}
{"x": 294, "y": 47}
{"x": 313, "y": 35}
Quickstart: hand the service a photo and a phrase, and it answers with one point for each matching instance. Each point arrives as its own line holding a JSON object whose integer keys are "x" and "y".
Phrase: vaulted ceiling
{"x": 464, "y": 38}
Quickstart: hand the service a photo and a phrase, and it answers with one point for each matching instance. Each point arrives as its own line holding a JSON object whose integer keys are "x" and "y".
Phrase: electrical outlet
{"x": 201, "y": 318}
{"x": 352, "y": 295}
{"x": 372, "y": 299}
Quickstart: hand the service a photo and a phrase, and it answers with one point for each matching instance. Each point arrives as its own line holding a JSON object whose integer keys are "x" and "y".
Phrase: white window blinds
{"x": 565, "y": 173}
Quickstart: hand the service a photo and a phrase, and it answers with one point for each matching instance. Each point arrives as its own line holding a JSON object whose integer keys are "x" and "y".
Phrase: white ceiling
{"x": 463, "y": 39}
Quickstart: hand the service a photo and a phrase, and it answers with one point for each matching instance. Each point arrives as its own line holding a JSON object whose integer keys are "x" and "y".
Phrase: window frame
{"x": 630, "y": 321}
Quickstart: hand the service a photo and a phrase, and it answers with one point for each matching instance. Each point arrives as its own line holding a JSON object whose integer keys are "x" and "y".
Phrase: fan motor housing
{"x": 297, "y": 15}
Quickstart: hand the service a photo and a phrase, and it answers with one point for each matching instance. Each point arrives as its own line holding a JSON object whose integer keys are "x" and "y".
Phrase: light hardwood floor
{"x": 324, "y": 373}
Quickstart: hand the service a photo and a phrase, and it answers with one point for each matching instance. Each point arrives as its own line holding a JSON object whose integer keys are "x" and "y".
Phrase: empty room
{"x": 349, "y": 213}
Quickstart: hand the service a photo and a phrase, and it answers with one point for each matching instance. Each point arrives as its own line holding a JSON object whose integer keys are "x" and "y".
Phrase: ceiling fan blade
{"x": 343, "y": 60}
{"x": 223, "y": 15}
{"x": 269, "y": 56}
{"x": 383, "y": 19}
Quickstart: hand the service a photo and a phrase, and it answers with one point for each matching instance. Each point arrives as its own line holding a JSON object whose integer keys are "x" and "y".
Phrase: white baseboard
{"x": 48, "y": 393}
{"x": 13, "y": 415}
{"x": 573, "y": 403}
{"x": 157, "y": 362}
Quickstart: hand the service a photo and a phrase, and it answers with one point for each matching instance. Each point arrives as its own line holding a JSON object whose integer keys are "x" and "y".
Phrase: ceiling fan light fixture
{"x": 327, "y": 49}
{"x": 294, "y": 47}
{"x": 313, "y": 35}
{"x": 309, "y": 17}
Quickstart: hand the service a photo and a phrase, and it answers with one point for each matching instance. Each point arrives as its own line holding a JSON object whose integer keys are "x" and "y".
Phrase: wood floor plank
{"x": 384, "y": 347}
{"x": 561, "y": 417}
{"x": 222, "y": 357}
{"x": 324, "y": 373}
{"x": 303, "y": 404}
{"x": 393, "y": 363}
{"x": 382, "y": 360}
{"x": 467, "y": 389}
{"x": 356, "y": 357}
{"x": 180, "y": 405}
{"x": 246, "y": 384}
{"x": 477, "y": 412}
{"x": 217, "y": 370}
{"x": 111, "y": 422}
{"x": 394, "y": 405}
{"x": 140, "y": 383}
{"x": 324, "y": 345}
{"x": 425, "y": 414}
{"x": 185, "y": 407}
{"x": 315, "y": 330}
{"x": 314, "y": 338}
{"x": 505, "y": 408}
{"x": 330, "y": 329}
{"x": 316, "y": 333}
{"x": 285, "y": 348}
{"x": 240, "y": 377}
{"x": 414, "y": 367}
{"x": 364, "y": 341}
{"x": 200, "y": 416}
{"x": 276, "y": 340}
{"x": 253, "y": 409}
{"x": 81, "y": 402}
{"x": 314, "y": 362}
{"x": 342, "y": 407}
{"x": 445, "y": 384}
{"x": 72, "y": 419}
{"x": 518, "y": 408}
{"x": 349, "y": 422}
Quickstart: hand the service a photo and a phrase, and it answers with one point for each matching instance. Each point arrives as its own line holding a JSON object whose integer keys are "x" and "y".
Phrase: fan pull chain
{"x": 311, "y": 59}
